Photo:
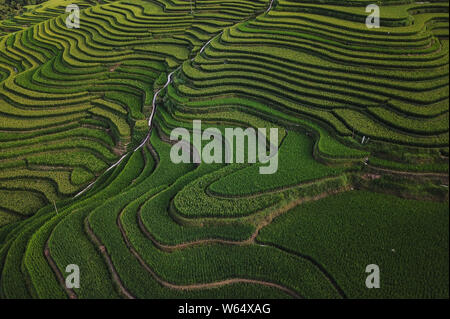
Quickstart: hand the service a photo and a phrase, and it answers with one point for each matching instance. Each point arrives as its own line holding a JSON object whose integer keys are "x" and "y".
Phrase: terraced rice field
{"x": 86, "y": 176}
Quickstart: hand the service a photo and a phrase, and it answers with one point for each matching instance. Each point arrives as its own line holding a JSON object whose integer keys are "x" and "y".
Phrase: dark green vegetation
{"x": 346, "y": 232}
{"x": 75, "y": 189}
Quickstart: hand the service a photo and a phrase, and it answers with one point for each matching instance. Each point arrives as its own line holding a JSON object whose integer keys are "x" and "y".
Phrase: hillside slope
{"x": 86, "y": 176}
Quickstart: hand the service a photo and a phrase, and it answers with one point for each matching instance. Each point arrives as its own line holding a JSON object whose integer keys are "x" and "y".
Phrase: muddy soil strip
{"x": 104, "y": 252}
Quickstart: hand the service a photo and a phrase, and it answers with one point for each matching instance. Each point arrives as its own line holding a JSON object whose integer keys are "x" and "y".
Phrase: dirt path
{"x": 412, "y": 174}
{"x": 270, "y": 6}
{"x": 109, "y": 263}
